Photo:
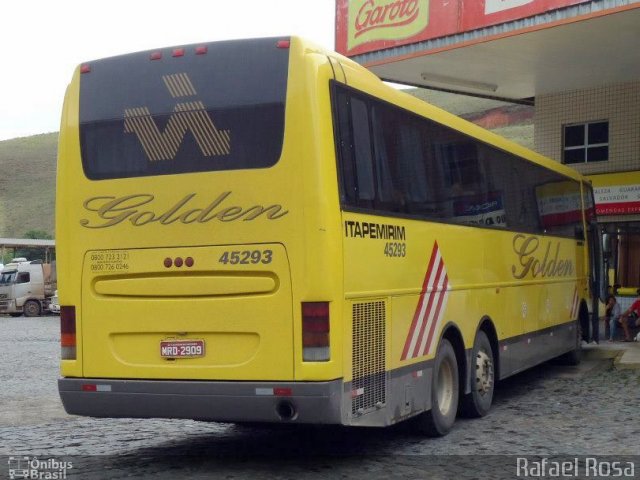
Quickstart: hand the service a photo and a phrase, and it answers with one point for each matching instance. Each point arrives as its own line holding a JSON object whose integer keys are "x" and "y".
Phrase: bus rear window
{"x": 218, "y": 106}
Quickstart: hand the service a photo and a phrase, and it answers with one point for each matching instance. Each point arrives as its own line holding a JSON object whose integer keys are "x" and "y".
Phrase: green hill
{"x": 27, "y": 184}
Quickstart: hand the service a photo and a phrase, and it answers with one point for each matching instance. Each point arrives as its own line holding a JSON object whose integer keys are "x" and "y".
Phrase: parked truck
{"x": 26, "y": 287}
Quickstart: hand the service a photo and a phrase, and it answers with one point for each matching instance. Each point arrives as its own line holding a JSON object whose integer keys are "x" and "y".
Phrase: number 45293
{"x": 246, "y": 257}
{"x": 395, "y": 249}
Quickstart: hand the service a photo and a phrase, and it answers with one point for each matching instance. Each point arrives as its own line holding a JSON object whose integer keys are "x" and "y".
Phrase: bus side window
{"x": 411, "y": 158}
{"x": 345, "y": 145}
{"x": 390, "y": 195}
{"x": 362, "y": 152}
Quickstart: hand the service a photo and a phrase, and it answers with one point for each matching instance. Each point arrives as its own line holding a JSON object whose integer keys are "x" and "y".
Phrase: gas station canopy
{"x": 511, "y": 49}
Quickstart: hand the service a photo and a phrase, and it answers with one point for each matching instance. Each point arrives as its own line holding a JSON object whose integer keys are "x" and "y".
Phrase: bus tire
{"x": 31, "y": 308}
{"x": 445, "y": 387}
{"x": 482, "y": 372}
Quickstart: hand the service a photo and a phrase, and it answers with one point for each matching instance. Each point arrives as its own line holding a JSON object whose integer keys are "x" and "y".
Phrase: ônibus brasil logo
{"x": 372, "y": 20}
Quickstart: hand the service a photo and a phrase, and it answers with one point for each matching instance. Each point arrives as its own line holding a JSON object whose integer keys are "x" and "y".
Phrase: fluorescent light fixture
{"x": 445, "y": 81}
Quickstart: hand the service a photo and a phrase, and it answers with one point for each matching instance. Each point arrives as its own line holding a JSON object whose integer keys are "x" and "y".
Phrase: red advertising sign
{"x": 370, "y": 25}
{"x": 617, "y": 199}
{"x": 559, "y": 203}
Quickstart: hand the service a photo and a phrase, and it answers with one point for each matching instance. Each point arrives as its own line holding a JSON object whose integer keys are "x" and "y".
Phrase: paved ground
{"x": 548, "y": 411}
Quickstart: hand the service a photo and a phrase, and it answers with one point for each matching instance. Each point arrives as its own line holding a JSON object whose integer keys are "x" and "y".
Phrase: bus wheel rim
{"x": 484, "y": 372}
{"x": 445, "y": 387}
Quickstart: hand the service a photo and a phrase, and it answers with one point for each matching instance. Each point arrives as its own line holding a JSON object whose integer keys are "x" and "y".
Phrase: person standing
{"x": 613, "y": 314}
{"x": 612, "y": 292}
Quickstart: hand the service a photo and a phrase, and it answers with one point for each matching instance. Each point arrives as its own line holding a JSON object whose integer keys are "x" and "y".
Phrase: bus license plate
{"x": 181, "y": 348}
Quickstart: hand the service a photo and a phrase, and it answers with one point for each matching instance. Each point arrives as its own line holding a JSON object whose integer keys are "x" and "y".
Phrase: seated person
{"x": 629, "y": 319}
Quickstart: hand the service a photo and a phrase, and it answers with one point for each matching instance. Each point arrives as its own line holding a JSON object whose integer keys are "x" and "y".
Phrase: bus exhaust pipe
{"x": 286, "y": 411}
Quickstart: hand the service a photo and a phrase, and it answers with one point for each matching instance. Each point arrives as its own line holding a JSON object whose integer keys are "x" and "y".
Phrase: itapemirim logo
{"x": 187, "y": 116}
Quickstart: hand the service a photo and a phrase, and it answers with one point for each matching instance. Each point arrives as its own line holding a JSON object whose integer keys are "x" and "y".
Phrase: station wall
{"x": 617, "y": 104}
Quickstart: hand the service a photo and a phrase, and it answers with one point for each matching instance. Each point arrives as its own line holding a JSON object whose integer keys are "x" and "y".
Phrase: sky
{"x": 43, "y": 41}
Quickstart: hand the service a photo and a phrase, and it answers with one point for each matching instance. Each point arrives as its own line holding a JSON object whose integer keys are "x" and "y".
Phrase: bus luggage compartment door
{"x": 219, "y": 313}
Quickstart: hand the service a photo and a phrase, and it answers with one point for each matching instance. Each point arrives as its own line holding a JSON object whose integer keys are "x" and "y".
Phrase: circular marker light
{"x": 178, "y": 262}
{"x": 189, "y": 262}
{"x": 168, "y": 262}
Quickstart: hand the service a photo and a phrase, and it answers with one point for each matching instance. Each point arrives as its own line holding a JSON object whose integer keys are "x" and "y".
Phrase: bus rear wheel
{"x": 478, "y": 402}
{"x": 445, "y": 386}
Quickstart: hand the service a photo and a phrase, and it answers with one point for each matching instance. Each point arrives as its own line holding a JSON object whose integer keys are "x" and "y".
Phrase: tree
{"x": 37, "y": 234}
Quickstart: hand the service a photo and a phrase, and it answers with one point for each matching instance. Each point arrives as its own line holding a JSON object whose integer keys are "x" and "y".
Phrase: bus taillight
{"x": 68, "y": 332}
{"x": 315, "y": 332}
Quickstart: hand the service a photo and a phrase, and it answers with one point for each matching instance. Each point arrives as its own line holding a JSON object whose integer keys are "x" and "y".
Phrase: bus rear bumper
{"x": 296, "y": 402}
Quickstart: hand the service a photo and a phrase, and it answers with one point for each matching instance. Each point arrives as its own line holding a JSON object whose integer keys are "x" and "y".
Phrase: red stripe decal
{"x": 576, "y": 302}
{"x": 416, "y": 315}
{"x": 427, "y": 315}
{"x": 436, "y": 320}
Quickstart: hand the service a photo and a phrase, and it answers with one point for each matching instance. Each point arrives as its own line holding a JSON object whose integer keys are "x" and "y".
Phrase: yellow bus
{"x": 263, "y": 231}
